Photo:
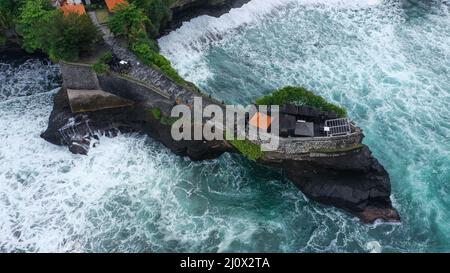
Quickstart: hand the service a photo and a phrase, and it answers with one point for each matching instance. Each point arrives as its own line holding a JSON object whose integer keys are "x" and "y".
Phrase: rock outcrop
{"x": 185, "y": 10}
{"x": 353, "y": 181}
{"x": 80, "y": 131}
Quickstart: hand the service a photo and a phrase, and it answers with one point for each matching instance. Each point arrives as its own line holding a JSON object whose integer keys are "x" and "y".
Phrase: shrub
{"x": 9, "y": 12}
{"x": 159, "y": 13}
{"x": 100, "y": 68}
{"x": 156, "y": 112}
{"x": 148, "y": 56}
{"x": 106, "y": 58}
{"x": 168, "y": 120}
{"x": 34, "y": 22}
{"x": 71, "y": 36}
{"x": 300, "y": 96}
{"x": 130, "y": 21}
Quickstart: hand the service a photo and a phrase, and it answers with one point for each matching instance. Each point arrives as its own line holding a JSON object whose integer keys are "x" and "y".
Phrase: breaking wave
{"x": 385, "y": 61}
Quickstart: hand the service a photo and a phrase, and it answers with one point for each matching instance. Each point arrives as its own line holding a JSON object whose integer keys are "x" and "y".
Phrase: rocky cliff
{"x": 353, "y": 181}
{"x": 184, "y": 10}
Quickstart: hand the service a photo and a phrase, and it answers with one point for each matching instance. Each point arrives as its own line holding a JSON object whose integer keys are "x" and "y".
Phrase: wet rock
{"x": 77, "y": 130}
{"x": 355, "y": 182}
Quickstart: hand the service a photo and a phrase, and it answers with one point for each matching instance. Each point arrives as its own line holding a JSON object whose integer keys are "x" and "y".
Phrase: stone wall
{"x": 79, "y": 76}
{"x": 302, "y": 148}
{"x": 135, "y": 91}
{"x": 305, "y": 145}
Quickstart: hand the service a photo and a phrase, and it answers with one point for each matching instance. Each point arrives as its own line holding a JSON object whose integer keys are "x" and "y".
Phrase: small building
{"x": 305, "y": 121}
{"x": 304, "y": 129}
{"x": 111, "y": 4}
{"x": 73, "y": 8}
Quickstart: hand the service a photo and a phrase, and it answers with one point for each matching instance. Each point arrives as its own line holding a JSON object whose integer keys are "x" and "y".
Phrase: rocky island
{"x": 125, "y": 85}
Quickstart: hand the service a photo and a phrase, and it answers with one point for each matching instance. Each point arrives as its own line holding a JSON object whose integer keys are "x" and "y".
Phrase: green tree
{"x": 71, "y": 36}
{"x": 158, "y": 11}
{"x": 160, "y": 14}
{"x": 300, "y": 96}
{"x": 9, "y": 11}
{"x": 36, "y": 15}
{"x": 61, "y": 37}
{"x": 130, "y": 21}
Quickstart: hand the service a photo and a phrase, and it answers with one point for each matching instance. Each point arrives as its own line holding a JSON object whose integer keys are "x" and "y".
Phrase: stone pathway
{"x": 152, "y": 77}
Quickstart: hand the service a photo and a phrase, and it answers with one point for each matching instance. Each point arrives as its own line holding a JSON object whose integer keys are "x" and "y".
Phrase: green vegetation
{"x": 300, "y": 96}
{"x": 61, "y": 37}
{"x": 158, "y": 12}
{"x": 156, "y": 112}
{"x": 102, "y": 66}
{"x": 9, "y": 12}
{"x": 248, "y": 149}
{"x": 130, "y": 21}
{"x": 148, "y": 56}
{"x": 169, "y": 121}
{"x": 165, "y": 120}
{"x": 133, "y": 23}
{"x": 338, "y": 150}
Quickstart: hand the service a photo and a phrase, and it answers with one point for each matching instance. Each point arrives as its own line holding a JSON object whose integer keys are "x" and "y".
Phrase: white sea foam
{"x": 132, "y": 194}
{"x": 386, "y": 64}
{"x": 187, "y": 44}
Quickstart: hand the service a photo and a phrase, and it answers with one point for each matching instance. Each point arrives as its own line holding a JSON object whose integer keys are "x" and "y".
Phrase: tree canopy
{"x": 61, "y": 37}
{"x": 300, "y": 96}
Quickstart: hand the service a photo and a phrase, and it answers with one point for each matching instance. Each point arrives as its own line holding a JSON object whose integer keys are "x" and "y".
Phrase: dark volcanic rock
{"x": 355, "y": 182}
{"x": 185, "y": 10}
{"x": 78, "y": 130}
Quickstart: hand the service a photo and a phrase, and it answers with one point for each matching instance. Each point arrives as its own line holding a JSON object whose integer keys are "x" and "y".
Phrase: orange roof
{"x": 113, "y": 3}
{"x": 67, "y": 9}
{"x": 261, "y": 120}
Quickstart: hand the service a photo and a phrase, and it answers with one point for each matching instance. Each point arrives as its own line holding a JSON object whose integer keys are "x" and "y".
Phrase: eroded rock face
{"x": 185, "y": 10}
{"x": 78, "y": 130}
{"x": 355, "y": 182}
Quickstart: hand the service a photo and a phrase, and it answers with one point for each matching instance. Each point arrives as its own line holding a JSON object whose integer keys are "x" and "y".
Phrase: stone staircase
{"x": 152, "y": 77}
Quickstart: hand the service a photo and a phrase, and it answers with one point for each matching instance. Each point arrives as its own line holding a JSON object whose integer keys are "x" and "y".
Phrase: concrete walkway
{"x": 150, "y": 76}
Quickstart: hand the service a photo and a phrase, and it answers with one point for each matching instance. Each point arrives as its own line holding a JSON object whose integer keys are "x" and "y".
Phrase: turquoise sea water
{"x": 386, "y": 61}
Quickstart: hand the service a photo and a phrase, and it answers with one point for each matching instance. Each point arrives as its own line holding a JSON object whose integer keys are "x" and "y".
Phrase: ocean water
{"x": 386, "y": 61}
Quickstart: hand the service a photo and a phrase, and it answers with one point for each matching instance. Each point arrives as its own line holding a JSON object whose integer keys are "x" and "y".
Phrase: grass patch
{"x": 250, "y": 150}
{"x": 101, "y": 66}
{"x": 338, "y": 150}
{"x": 169, "y": 121}
{"x": 156, "y": 112}
{"x": 300, "y": 96}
